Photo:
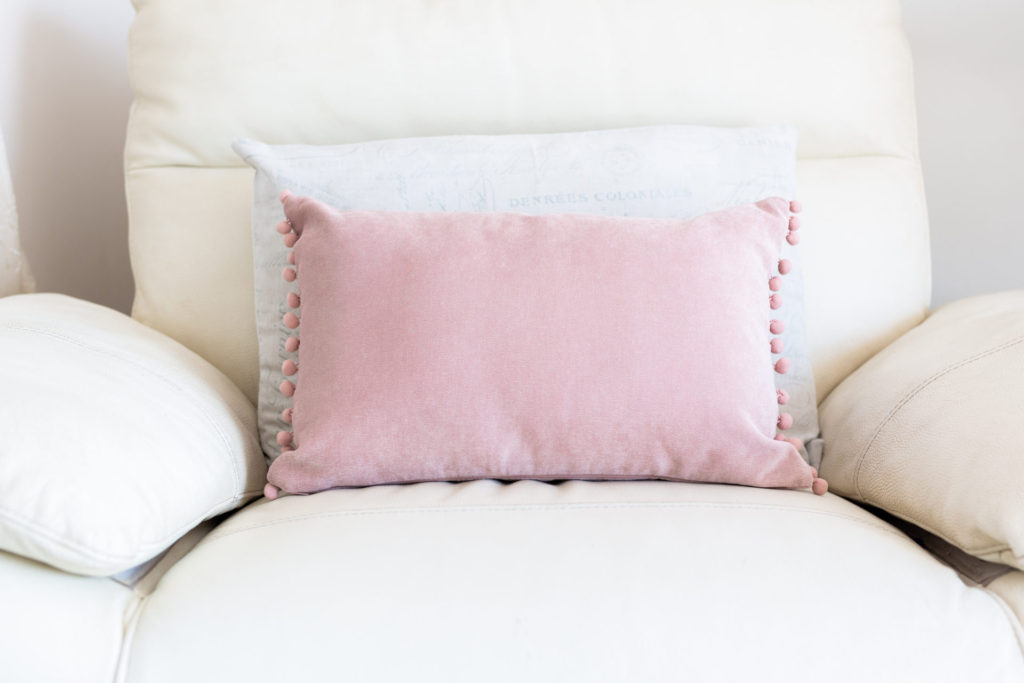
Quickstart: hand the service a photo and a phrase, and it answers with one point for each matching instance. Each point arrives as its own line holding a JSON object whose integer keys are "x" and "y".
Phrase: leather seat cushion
{"x": 57, "y": 627}
{"x": 576, "y": 581}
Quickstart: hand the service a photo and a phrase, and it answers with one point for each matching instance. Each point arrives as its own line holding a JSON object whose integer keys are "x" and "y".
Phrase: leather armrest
{"x": 117, "y": 441}
{"x": 931, "y": 429}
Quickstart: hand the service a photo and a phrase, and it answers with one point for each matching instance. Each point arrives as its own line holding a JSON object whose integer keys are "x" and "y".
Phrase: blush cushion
{"x": 455, "y": 346}
{"x": 655, "y": 171}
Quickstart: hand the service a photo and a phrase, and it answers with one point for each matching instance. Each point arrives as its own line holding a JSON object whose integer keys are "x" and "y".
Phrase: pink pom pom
{"x": 291, "y": 344}
{"x": 775, "y": 301}
{"x": 287, "y": 388}
{"x": 290, "y": 239}
{"x": 286, "y": 415}
{"x": 795, "y": 206}
{"x": 785, "y": 421}
{"x": 284, "y": 227}
{"x": 793, "y": 238}
{"x": 291, "y": 257}
{"x": 794, "y": 223}
{"x": 782, "y": 366}
{"x": 795, "y": 443}
{"x": 271, "y": 491}
{"x": 820, "y": 487}
{"x": 289, "y": 274}
{"x": 284, "y": 438}
{"x": 781, "y": 437}
{"x": 782, "y": 396}
{"x": 776, "y": 344}
{"x": 288, "y": 193}
{"x": 785, "y": 266}
{"x": 289, "y": 368}
{"x": 291, "y": 321}
{"x": 293, "y": 300}
{"x": 776, "y": 327}
{"x": 775, "y": 283}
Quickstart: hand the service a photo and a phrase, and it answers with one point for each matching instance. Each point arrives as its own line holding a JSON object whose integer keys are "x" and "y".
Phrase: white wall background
{"x": 64, "y": 99}
{"x": 969, "y": 66}
{"x": 63, "y": 107}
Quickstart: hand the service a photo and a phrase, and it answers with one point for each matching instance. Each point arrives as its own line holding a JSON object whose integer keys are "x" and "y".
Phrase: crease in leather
{"x": 1011, "y": 616}
{"x": 568, "y": 507}
{"x": 900, "y": 405}
{"x": 186, "y": 394}
{"x": 128, "y": 630}
{"x": 215, "y": 167}
{"x": 147, "y": 585}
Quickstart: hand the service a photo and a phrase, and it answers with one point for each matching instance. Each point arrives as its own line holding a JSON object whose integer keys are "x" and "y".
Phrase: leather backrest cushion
{"x": 330, "y": 72}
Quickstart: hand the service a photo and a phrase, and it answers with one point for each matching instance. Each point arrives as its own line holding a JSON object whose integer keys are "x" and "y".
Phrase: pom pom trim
{"x": 782, "y": 365}
{"x": 291, "y": 320}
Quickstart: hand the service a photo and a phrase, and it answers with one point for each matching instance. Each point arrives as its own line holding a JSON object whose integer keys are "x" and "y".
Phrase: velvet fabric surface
{"x": 668, "y": 171}
{"x": 454, "y": 346}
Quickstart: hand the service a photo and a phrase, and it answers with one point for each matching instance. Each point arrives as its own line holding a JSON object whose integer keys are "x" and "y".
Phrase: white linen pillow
{"x": 117, "y": 440}
{"x": 657, "y": 171}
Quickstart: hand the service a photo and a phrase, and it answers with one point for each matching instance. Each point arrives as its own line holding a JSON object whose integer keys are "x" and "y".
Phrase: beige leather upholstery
{"x": 59, "y": 627}
{"x": 627, "y": 581}
{"x": 611, "y": 581}
{"x": 322, "y": 71}
{"x": 1010, "y": 589}
{"x": 56, "y": 627}
{"x": 932, "y": 428}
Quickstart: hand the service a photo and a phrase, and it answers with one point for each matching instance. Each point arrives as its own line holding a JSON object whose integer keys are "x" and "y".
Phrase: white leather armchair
{"x": 528, "y": 581}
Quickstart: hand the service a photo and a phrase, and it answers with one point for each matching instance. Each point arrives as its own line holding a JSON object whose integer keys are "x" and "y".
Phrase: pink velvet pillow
{"x": 453, "y": 346}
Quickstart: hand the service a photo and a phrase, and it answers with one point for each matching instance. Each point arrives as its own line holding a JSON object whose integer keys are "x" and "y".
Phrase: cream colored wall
{"x": 63, "y": 107}
{"x": 969, "y": 62}
{"x": 64, "y": 98}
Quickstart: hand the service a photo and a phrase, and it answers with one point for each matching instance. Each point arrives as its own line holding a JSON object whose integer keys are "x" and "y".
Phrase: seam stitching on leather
{"x": 1015, "y": 624}
{"x": 55, "y": 538}
{"x": 135, "y": 168}
{"x": 189, "y": 395}
{"x": 128, "y": 631}
{"x": 215, "y": 535}
{"x": 912, "y": 394}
